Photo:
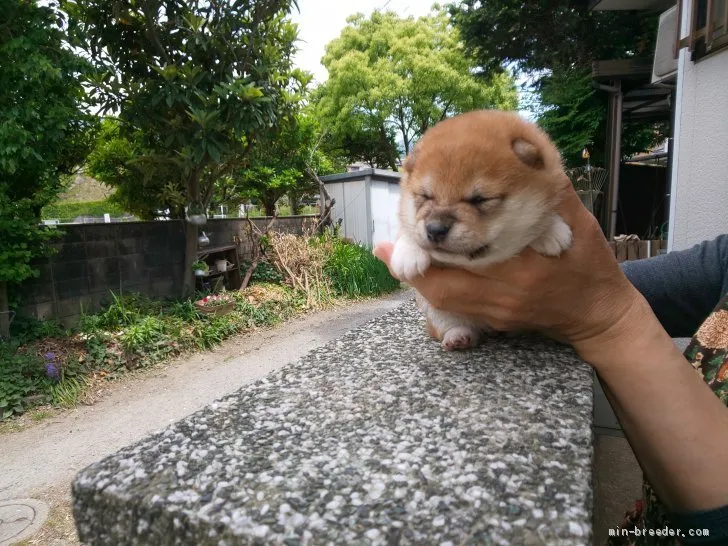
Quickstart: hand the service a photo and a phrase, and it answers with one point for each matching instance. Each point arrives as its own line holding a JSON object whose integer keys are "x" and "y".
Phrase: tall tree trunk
{"x": 391, "y": 154}
{"x": 269, "y": 204}
{"x": 293, "y": 199}
{"x": 4, "y": 311}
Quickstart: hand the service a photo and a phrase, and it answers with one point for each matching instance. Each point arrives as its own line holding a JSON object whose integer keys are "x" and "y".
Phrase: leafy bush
{"x": 21, "y": 375}
{"x": 144, "y": 339}
{"x": 264, "y": 273}
{"x": 355, "y": 272}
{"x": 27, "y": 329}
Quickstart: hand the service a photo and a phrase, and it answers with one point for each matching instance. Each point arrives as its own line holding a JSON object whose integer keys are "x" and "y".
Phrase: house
{"x": 690, "y": 68}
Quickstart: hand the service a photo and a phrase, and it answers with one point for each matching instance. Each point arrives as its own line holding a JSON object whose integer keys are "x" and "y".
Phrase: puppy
{"x": 476, "y": 190}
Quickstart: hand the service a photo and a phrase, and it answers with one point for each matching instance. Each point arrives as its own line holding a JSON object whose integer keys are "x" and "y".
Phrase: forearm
{"x": 675, "y": 424}
{"x": 682, "y": 287}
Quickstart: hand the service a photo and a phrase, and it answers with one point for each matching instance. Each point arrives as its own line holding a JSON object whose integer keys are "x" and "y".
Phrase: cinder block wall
{"x": 94, "y": 260}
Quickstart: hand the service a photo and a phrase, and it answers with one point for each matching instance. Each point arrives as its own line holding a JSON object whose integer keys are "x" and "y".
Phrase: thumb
{"x": 383, "y": 251}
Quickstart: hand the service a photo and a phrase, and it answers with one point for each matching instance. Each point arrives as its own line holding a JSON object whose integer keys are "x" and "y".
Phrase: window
{"x": 708, "y": 27}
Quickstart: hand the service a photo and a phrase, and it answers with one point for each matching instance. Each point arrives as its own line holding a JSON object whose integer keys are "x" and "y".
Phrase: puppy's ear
{"x": 528, "y": 153}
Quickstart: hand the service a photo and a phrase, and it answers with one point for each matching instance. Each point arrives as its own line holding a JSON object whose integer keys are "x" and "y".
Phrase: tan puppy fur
{"x": 476, "y": 190}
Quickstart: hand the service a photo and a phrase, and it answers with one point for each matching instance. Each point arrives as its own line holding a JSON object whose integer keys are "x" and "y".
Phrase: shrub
{"x": 264, "y": 273}
{"x": 21, "y": 375}
{"x": 28, "y": 329}
{"x": 302, "y": 259}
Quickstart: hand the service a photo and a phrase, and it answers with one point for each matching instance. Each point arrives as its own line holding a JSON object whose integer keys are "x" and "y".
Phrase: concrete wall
{"x": 94, "y": 260}
{"x": 699, "y": 189}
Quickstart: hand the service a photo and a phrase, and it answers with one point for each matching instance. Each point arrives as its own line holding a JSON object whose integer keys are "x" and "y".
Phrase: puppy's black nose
{"x": 437, "y": 231}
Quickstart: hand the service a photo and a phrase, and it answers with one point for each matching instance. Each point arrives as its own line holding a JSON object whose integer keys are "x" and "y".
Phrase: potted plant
{"x": 200, "y": 268}
{"x": 216, "y": 304}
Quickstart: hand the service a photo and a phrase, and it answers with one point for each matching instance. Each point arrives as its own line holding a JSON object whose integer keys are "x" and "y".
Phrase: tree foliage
{"x": 280, "y": 160}
{"x": 278, "y": 164}
{"x": 118, "y": 159}
{"x": 44, "y": 132}
{"x": 192, "y": 82}
{"x": 391, "y": 78}
{"x": 556, "y": 43}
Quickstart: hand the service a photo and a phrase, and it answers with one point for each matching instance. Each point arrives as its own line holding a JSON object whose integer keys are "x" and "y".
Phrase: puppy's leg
{"x": 555, "y": 239}
{"x": 453, "y": 332}
{"x": 409, "y": 260}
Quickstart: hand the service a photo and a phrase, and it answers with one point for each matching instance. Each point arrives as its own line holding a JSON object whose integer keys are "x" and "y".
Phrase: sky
{"x": 321, "y": 21}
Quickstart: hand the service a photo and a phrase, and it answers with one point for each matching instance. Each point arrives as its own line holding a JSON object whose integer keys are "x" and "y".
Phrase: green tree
{"x": 44, "y": 133}
{"x": 391, "y": 78}
{"x": 556, "y": 44}
{"x": 278, "y": 163}
{"x": 282, "y": 159}
{"x": 195, "y": 80}
{"x": 118, "y": 159}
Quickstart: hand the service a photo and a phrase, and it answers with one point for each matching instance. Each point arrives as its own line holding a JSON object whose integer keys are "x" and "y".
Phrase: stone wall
{"x": 95, "y": 260}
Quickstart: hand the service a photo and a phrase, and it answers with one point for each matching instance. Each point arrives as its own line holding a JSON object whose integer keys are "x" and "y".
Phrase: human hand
{"x": 581, "y": 297}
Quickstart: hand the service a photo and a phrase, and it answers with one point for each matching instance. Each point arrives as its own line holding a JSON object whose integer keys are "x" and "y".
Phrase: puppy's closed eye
{"x": 422, "y": 197}
{"x": 480, "y": 200}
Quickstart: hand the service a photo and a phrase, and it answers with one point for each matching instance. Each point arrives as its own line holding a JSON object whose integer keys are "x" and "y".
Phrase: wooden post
{"x": 4, "y": 311}
{"x": 643, "y": 250}
{"x": 632, "y": 250}
{"x": 621, "y": 251}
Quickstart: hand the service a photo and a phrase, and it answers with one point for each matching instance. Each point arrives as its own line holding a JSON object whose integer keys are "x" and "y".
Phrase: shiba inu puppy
{"x": 476, "y": 190}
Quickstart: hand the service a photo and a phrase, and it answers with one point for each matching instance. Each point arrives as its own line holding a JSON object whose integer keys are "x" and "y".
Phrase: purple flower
{"x": 52, "y": 372}
{"x": 50, "y": 357}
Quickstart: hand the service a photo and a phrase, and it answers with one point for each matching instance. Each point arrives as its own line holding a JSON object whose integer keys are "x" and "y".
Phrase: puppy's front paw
{"x": 409, "y": 260}
{"x": 459, "y": 338}
{"x": 557, "y": 239}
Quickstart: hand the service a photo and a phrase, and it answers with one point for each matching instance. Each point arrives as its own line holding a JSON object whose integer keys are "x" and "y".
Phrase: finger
{"x": 383, "y": 251}
{"x": 455, "y": 290}
{"x": 571, "y": 208}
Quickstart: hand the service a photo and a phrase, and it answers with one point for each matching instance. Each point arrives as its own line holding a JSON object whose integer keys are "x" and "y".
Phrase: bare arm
{"x": 675, "y": 424}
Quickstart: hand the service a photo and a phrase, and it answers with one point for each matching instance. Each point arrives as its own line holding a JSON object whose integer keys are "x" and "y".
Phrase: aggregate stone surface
{"x": 380, "y": 438}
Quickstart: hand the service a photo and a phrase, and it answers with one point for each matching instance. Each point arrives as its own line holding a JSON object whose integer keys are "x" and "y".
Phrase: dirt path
{"x": 41, "y": 461}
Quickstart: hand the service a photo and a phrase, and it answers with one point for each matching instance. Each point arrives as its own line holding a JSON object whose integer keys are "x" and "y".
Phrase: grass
{"x": 69, "y": 211}
{"x": 355, "y": 272}
{"x": 44, "y": 365}
{"x": 284, "y": 210}
{"x": 40, "y": 415}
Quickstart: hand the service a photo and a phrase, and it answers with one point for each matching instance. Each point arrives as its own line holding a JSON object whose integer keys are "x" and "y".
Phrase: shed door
{"x": 385, "y": 207}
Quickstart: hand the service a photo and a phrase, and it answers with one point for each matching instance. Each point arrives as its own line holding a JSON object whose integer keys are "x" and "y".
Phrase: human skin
{"x": 677, "y": 427}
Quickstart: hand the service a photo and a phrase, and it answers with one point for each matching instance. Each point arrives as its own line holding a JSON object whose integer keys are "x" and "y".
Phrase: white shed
{"x": 367, "y": 202}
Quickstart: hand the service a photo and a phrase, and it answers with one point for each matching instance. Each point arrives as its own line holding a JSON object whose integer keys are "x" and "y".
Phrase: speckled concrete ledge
{"x": 378, "y": 438}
